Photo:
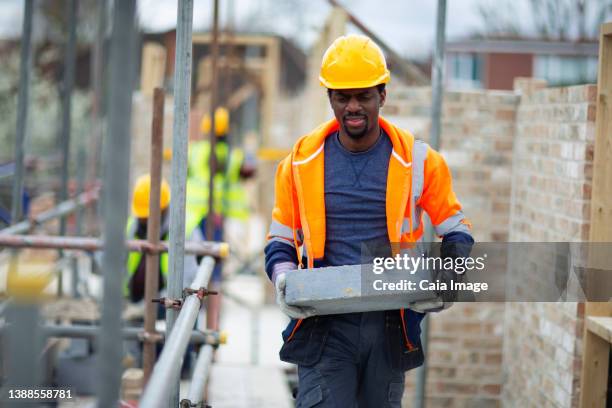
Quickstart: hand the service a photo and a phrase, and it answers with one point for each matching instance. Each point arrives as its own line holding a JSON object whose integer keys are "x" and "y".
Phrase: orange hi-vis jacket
{"x": 418, "y": 179}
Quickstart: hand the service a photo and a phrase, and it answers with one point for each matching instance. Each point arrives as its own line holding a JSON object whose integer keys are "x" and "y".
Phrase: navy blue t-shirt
{"x": 355, "y": 199}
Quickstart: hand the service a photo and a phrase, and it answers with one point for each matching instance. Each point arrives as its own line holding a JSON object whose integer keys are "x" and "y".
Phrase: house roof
{"x": 526, "y": 46}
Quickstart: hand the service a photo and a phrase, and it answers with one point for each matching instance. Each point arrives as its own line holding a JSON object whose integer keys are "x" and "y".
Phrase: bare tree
{"x": 549, "y": 19}
{"x": 498, "y": 19}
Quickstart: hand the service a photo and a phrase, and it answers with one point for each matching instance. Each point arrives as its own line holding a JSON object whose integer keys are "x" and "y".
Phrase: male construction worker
{"x": 356, "y": 179}
{"x": 229, "y": 198}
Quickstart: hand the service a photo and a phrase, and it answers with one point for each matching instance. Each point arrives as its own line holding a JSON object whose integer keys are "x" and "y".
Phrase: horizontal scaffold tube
{"x": 216, "y": 249}
{"x": 209, "y": 337}
{"x": 64, "y": 208}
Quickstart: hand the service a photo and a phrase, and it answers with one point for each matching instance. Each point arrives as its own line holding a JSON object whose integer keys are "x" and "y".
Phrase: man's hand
{"x": 280, "y": 283}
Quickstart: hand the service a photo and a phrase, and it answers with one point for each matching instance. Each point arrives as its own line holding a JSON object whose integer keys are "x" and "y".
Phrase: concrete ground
{"x": 247, "y": 371}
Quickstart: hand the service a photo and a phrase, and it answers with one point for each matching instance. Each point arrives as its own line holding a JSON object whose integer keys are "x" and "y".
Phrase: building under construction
{"x": 530, "y": 165}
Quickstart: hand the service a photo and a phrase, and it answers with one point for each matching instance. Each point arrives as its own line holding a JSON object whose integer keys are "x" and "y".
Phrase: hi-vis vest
{"x": 418, "y": 180}
{"x": 134, "y": 258}
{"x": 229, "y": 197}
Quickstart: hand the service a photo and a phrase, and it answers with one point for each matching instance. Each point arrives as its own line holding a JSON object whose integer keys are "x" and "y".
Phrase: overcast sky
{"x": 408, "y": 26}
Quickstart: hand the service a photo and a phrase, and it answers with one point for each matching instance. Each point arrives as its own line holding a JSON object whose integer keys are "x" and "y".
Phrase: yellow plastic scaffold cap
{"x": 224, "y": 250}
{"x": 223, "y": 337}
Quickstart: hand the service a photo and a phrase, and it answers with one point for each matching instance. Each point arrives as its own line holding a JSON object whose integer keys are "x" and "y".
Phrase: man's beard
{"x": 358, "y": 134}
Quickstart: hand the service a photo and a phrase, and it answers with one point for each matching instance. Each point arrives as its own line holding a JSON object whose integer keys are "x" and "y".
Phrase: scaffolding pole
{"x": 195, "y": 396}
{"x": 66, "y": 91}
{"x": 81, "y": 162}
{"x": 116, "y": 176}
{"x": 128, "y": 333}
{"x": 152, "y": 260}
{"x": 162, "y": 382}
{"x": 61, "y": 210}
{"x": 182, "y": 96}
{"x": 216, "y": 249}
{"x": 23, "y": 347}
{"x": 437, "y": 76}
{"x": 22, "y": 111}
{"x": 212, "y": 159}
{"x": 82, "y": 331}
{"x": 97, "y": 75}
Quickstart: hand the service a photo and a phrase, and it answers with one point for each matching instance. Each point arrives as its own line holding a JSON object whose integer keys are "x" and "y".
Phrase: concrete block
{"x": 348, "y": 289}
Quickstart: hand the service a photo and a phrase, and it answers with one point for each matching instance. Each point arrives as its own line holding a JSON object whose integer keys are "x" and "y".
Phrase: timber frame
{"x": 598, "y": 315}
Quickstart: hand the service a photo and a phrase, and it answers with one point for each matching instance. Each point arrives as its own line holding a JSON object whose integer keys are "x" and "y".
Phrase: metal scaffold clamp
{"x": 169, "y": 303}
{"x": 150, "y": 337}
{"x": 200, "y": 293}
{"x": 185, "y": 403}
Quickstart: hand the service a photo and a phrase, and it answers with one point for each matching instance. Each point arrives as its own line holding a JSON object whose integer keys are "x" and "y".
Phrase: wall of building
{"x": 541, "y": 142}
{"x": 552, "y": 176}
{"x": 466, "y": 341}
{"x": 476, "y": 141}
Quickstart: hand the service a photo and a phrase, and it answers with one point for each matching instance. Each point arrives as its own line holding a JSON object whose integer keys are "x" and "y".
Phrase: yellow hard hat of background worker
{"x": 353, "y": 61}
{"x": 222, "y": 120}
{"x": 140, "y": 199}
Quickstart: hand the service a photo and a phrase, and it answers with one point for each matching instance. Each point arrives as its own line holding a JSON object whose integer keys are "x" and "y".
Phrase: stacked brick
{"x": 465, "y": 342}
{"x": 522, "y": 167}
{"x": 551, "y": 203}
{"x": 554, "y": 165}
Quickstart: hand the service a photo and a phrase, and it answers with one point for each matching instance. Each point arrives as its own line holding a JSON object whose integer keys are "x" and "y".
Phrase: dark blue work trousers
{"x": 354, "y": 369}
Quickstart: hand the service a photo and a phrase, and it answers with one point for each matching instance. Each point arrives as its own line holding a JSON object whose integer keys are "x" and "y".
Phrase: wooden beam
{"x": 594, "y": 379}
{"x": 601, "y": 200}
{"x": 241, "y": 95}
{"x": 594, "y": 371}
{"x": 153, "y": 67}
{"x": 270, "y": 86}
{"x": 601, "y": 326}
{"x": 235, "y": 39}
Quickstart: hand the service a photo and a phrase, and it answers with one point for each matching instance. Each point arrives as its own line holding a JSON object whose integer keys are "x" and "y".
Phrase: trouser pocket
{"x": 306, "y": 345}
{"x": 396, "y": 391}
{"x": 401, "y": 357}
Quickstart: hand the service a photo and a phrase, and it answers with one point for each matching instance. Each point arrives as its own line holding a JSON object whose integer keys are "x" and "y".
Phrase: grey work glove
{"x": 428, "y": 306}
{"x": 279, "y": 277}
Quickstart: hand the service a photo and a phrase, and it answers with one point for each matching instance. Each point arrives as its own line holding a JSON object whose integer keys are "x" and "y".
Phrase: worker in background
{"x": 229, "y": 195}
{"x": 349, "y": 182}
{"x": 134, "y": 286}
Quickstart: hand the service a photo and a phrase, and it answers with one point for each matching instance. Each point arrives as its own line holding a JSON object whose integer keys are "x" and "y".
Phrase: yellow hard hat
{"x": 140, "y": 200}
{"x": 222, "y": 120}
{"x": 353, "y": 61}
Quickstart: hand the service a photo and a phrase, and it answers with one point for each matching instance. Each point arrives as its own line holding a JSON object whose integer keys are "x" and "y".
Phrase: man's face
{"x": 357, "y": 109}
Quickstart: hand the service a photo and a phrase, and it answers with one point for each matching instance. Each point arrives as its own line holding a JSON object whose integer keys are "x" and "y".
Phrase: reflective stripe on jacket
{"x": 418, "y": 180}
